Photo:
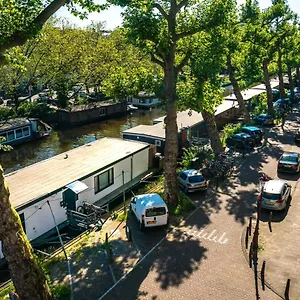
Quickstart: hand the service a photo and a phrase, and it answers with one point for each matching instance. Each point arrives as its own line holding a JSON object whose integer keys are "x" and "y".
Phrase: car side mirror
{"x": 133, "y": 200}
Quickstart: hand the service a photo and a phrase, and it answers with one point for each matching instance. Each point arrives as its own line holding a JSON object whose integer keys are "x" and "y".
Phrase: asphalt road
{"x": 203, "y": 257}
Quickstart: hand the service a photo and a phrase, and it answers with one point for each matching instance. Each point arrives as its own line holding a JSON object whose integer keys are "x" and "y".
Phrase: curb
{"x": 245, "y": 252}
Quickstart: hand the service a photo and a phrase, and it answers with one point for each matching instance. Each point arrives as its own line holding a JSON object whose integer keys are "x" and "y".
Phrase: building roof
{"x": 156, "y": 130}
{"x": 51, "y": 175}
{"x": 11, "y": 123}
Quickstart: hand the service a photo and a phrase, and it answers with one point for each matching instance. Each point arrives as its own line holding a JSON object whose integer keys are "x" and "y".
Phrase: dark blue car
{"x": 263, "y": 120}
{"x": 284, "y": 104}
{"x": 254, "y": 132}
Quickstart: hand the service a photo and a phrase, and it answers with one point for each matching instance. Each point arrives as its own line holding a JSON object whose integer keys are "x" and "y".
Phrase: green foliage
{"x": 4, "y": 293}
{"x": 260, "y": 104}
{"x": 228, "y": 130}
{"x": 7, "y": 113}
{"x": 194, "y": 157}
{"x": 185, "y": 205}
{"x": 122, "y": 216}
{"x": 61, "y": 292}
{"x": 34, "y": 109}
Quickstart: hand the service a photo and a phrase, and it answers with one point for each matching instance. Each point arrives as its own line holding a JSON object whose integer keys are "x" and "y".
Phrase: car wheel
{"x": 142, "y": 226}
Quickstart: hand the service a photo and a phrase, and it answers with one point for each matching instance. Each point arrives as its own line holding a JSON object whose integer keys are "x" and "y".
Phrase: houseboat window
{"x": 3, "y": 135}
{"x": 150, "y": 100}
{"x": 10, "y": 135}
{"x": 158, "y": 143}
{"x": 102, "y": 111}
{"x": 26, "y": 131}
{"x": 104, "y": 180}
{"x": 19, "y": 133}
{"x": 142, "y": 101}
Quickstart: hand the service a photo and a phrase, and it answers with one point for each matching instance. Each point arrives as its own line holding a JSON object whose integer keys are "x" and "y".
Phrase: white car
{"x": 275, "y": 195}
{"x": 150, "y": 210}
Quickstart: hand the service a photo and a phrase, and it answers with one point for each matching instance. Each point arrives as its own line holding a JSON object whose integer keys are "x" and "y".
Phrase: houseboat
{"x": 144, "y": 100}
{"x": 190, "y": 125}
{"x": 95, "y": 173}
{"x": 21, "y": 130}
{"x": 80, "y": 114}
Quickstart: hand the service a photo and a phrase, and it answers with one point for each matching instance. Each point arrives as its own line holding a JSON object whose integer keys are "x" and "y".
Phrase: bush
{"x": 61, "y": 292}
{"x": 6, "y": 113}
{"x": 193, "y": 157}
{"x": 122, "y": 216}
{"x": 229, "y": 130}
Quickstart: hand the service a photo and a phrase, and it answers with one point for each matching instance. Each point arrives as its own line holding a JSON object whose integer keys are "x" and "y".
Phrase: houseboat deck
{"x": 50, "y": 176}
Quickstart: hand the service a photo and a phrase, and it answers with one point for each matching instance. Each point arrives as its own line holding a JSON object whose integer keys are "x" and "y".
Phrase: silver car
{"x": 192, "y": 181}
{"x": 275, "y": 195}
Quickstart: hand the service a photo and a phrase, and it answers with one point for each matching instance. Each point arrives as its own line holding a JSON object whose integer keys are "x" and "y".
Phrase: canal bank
{"x": 63, "y": 140}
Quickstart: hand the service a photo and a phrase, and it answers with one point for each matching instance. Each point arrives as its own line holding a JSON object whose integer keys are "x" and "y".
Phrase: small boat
{"x": 20, "y": 130}
{"x": 131, "y": 107}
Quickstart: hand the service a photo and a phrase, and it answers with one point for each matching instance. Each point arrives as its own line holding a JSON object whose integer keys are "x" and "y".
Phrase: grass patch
{"x": 184, "y": 206}
{"x": 4, "y": 292}
{"x": 122, "y": 216}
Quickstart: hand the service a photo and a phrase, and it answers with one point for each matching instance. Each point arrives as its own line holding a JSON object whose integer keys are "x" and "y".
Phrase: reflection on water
{"x": 64, "y": 140}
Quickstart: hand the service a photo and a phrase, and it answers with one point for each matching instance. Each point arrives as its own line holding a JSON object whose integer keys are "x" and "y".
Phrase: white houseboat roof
{"x": 183, "y": 120}
{"x": 45, "y": 177}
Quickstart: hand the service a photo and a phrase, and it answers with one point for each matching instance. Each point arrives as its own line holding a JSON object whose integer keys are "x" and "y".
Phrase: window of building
{"x": 10, "y": 135}
{"x": 104, "y": 180}
{"x": 19, "y": 133}
{"x": 150, "y": 100}
{"x": 102, "y": 111}
{"x": 26, "y": 131}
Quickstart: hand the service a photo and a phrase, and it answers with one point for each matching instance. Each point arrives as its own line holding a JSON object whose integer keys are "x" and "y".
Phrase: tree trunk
{"x": 171, "y": 145}
{"x": 291, "y": 83}
{"x": 29, "y": 280}
{"x": 298, "y": 75}
{"x": 213, "y": 133}
{"x": 237, "y": 91}
{"x": 280, "y": 75}
{"x": 268, "y": 87}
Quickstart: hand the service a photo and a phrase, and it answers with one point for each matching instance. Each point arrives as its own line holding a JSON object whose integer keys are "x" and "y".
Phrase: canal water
{"x": 63, "y": 140}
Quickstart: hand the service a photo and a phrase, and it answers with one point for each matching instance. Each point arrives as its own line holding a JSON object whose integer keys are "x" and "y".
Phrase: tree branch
{"x": 161, "y": 10}
{"x": 156, "y": 60}
{"x": 20, "y": 37}
{"x": 182, "y": 4}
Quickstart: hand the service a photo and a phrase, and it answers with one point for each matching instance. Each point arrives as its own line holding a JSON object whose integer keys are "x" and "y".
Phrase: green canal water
{"x": 63, "y": 140}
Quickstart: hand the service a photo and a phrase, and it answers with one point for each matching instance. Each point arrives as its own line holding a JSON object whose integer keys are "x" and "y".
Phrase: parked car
{"x": 282, "y": 104}
{"x": 297, "y": 136}
{"x": 150, "y": 210}
{"x": 191, "y": 180}
{"x": 275, "y": 195}
{"x": 297, "y": 90}
{"x": 239, "y": 141}
{"x": 264, "y": 120}
{"x": 275, "y": 94}
{"x": 289, "y": 162}
{"x": 254, "y": 132}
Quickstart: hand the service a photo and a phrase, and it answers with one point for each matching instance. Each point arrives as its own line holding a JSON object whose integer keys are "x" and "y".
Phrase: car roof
{"x": 150, "y": 200}
{"x": 251, "y": 128}
{"x": 191, "y": 172}
{"x": 274, "y": 186}
{"x": 286, "y": 153}
{"x": 241, "y": 134}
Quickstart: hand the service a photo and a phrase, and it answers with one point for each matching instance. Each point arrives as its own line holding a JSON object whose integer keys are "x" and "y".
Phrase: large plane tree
{"x": 164, "y": 28}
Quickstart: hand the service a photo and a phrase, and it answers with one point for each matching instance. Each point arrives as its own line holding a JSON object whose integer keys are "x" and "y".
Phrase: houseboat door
{"x": 70, "y": 195}
{"x": 69, "y": 199}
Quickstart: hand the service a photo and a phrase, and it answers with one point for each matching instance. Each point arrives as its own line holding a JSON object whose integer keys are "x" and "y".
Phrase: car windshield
{"x": 271, "y": 196}
{"x": 155, "y": 211}
{"x": 289, "y": 158}
{"x": 196, "y": 178}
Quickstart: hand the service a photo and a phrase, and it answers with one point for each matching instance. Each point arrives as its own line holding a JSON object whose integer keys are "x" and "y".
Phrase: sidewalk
{"x": 279, "y": 245}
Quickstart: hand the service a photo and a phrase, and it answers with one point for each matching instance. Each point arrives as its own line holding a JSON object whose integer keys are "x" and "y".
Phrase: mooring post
{"x": 250, "y": 225}
{"x": 262, "y": 275}
{"x": 270, "y": 221}
{"x": 247, "y": 237}
{"x": 106, "y": 237}
{"x": 287, "y": 289}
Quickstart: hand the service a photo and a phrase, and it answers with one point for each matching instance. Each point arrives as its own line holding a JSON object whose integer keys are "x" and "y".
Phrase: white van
{"x": 150, "y": 210}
